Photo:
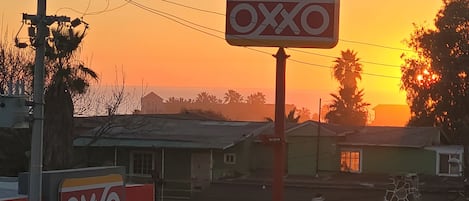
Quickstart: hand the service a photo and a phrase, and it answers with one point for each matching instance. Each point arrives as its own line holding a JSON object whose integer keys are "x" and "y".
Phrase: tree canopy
{"x": 66, "y": 77}
{"x": 436, "y": 80}
{"x": 348, "y": 107}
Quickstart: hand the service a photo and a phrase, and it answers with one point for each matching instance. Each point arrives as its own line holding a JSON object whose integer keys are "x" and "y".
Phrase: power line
{"x": 329, "y": 56}
{"x": 194, "y": 8}
{"x": 171, "y": 18}
{"x": 343, "y": 40}
{"x": 322, "y": 55}
{"x": 84, "y": 13}
{"x": 375, "y": 45}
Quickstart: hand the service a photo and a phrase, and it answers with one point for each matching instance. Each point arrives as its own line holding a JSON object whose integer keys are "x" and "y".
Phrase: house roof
{"x": 161, "y": 131}
{"x": 416, "y": 137}
{"x": 152, "y": 95}
{"x": 310, "y": 128}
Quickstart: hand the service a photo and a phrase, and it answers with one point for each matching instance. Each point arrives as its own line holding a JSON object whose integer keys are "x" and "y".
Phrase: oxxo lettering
{"x": 285, "y": 23}
{"x": 270, "y": 18}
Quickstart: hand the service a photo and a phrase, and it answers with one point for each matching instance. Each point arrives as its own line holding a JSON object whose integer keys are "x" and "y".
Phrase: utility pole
{"x": 35, "y": 177}
{"x": 41, "y": 21}
{"x": 317, "y": 140}
{"x": 279, "y": 145}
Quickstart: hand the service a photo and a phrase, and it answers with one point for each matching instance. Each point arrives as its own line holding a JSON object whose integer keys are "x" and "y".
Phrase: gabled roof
{"x": 416, "y": 137}
{"x": 310, "y": 128}
{"x": 152, "y": 95}
{"x": 159, "y": 131}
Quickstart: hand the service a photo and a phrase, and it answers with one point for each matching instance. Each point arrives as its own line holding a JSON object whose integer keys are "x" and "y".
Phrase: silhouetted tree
{"x": 256, "y": 98}
{"x": 304, "y": 114}
{"x": 347, "y": 107}
{"x": 232, "y": 96}
{"x": 66, "y": 78}
{"x": 15, "y": 69}
{"x": 205, "y": 114}
{"x": 205, "y": 97}
{"x": 436, "y": 81}
{"x": 291, "y": 117}
{"x": 173, "y": 99}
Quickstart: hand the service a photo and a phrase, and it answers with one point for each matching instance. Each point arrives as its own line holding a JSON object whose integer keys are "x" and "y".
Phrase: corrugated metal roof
{"x": 416, "y": 137}
{"x": 150, "y": 131}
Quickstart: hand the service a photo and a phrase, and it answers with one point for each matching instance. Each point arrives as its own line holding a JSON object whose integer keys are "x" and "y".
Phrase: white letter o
{"x": 325, "y": 21}
{"x": 234, "y": 23}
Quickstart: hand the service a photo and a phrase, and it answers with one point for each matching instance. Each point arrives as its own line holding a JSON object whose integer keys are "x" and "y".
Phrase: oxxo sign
{"x": 100, "y": 188}
{"x": 286, "y": 23}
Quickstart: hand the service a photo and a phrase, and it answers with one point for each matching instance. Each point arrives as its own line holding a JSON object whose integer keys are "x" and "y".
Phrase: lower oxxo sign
{"x": 100, "y": 188}
{"x": 285, "y": 23}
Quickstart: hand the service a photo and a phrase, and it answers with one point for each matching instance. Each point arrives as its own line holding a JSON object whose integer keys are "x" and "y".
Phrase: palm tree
{"x": 66, "y": 77}
{"x": 232, "y": 96}
{"x": 348, "y": 69}
{"x": 291, "y": 117}
{"x": 256, "y": 98}
{"x": 207, "y": 98}
{"x": 347, "y": 107}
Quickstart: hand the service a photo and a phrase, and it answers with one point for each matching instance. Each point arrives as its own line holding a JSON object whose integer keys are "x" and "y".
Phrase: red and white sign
{"x": 285, "y": 23}
{"x": 100, "y": 188}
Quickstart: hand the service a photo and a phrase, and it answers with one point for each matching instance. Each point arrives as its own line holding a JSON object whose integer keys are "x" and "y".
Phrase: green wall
{"x": 242, "y": 151}
{"x": 302, "y": 155}
{"x": 392, "y": 160}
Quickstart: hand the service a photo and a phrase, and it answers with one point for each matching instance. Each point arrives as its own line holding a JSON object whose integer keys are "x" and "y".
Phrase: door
{"x": 200, "y": 169}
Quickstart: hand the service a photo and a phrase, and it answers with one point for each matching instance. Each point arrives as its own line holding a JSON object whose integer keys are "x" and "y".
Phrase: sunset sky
{"x": 175, "y": 60}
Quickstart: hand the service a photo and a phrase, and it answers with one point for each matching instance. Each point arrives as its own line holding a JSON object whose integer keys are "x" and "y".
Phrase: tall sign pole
{"x": 279, "y": 146}
{"x": 282, "y": 23}
{"x": 35, "y": 178}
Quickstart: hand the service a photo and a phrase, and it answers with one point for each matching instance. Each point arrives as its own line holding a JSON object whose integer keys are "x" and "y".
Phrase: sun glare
{"x": 427, "y": 78}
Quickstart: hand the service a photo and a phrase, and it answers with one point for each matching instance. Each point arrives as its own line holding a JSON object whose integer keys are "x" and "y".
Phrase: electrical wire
{"x": 172, "y": 18}
{"x": 194, "y": 8}
{"x": 334, "y": 57}
{"x": 105, "y": 10}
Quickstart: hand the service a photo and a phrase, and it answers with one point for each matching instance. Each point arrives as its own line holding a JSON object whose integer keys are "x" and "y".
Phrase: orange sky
{"x": 162, "y": 53}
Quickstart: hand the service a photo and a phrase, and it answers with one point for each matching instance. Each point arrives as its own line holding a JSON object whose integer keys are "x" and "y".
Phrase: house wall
{"x": 302, "y": 155}
{"x": 392, "y": 160}
{"x": 261, "y": 159}
{"x": 242, "y": 165}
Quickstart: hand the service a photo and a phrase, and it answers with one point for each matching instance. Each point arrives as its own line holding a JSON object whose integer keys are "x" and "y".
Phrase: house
{"x": 154, "y": 104}
{"x": 370, "y": 150}
{"x": 189, "y": 152}
{"x": 186, "y": 153}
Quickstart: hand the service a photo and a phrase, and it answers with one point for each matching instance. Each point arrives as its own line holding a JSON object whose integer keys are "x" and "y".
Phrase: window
{"x": 230, "y": 158}
{"x": 449, "y": 164}
{"x": 142, "y": 163}
{"x": 350, "y": 161}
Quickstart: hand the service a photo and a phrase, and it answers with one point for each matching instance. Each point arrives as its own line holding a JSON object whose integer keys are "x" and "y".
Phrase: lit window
{"x": 449, "y": 164}
{"x": 142, "y": 163}
{"x": 230, "y": 158}
{"x": 350, "y": 161}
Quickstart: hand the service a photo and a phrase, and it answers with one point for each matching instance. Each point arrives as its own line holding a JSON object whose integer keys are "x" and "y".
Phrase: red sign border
{"x": 289, "y": 41}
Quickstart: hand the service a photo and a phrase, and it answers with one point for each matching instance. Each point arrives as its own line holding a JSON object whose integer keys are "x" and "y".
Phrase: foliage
{"x": 15, "y": 70}
{"x": 205, "y": 97}
{"x": 436, "y": 79}
{"x": 66, "y": 78}
{"x": 204, "y": 114}
{"x": 304, "y": 114}
{"x": 232, "y": 96}
{"x": 256, "y": 98}
{"x": 173, "y": 99}
{"x": 347, "y": 107}
{"x": 291, "y": 117}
